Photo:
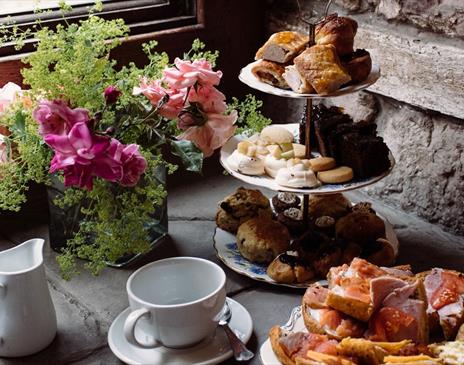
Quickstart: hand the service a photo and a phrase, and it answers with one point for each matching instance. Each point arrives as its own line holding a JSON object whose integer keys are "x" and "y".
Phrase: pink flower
{"x": 111, "y": 94}
{"x": 155, "y": 92}
{"x": 212, "y": 134}
{"x": 8, "y": 94}
{"x": 56, "y": 117}
{"x": 134, "y": 165}
{"x": 187, "y": 73}
{"x": 210, "y": 98}
{"x": 82, "y": 155}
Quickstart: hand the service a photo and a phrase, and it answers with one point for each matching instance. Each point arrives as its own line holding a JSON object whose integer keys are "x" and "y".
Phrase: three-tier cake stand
{"x": 224, "y": 242}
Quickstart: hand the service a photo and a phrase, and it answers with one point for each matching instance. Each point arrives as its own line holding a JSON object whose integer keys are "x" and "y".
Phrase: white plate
{"x": 267, "y": 354}
{"x": 209, "y": 352}
{"x": 248, "y": 78}
{"x": 268, "y": 182}
{"x": 227, "y": 251}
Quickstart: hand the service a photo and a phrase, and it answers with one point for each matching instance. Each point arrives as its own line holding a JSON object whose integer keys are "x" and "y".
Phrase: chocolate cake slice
{"x": 351, "y": 144}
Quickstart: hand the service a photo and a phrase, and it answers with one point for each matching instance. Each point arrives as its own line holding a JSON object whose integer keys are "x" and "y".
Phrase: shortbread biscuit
{"x": 322, "y": 163}
{"x": 336, "y": 176}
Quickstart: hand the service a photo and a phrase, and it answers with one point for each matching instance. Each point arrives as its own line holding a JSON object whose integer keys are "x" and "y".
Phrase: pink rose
{"x": 56, "y": 117}
{"x": 187, "y": 73}
{"x": 212, "y": 134}
{"x": 8, "y": 94}
{"x": 210, "y": 98}
{"x": 134, "y": 165}
{"x": 82, "y": 155}
{"x": 155, "y": 92}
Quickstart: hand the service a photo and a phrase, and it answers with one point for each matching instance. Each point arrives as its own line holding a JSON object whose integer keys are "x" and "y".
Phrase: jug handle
{"x": 2, "y": 291}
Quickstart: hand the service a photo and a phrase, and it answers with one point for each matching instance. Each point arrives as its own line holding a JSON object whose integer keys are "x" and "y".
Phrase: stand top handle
{"x": 312, "y": 25}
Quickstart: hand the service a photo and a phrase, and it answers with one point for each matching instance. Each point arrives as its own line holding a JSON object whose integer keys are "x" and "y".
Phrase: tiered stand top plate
{"x": 248, "y": 78}
{"x": 268, "y": 182}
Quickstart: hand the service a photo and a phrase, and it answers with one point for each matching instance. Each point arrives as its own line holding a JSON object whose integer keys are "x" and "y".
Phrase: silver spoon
{"x": 241, "y": 353}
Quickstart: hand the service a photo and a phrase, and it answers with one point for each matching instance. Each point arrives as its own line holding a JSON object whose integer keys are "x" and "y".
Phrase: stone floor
{"x": 87, "y": 305}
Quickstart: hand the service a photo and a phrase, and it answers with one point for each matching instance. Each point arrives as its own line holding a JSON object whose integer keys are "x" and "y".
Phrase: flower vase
{"x": 64, "y": 223}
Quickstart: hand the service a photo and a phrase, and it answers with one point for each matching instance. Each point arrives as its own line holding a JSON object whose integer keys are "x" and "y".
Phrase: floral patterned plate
{"x": 227, "y": 251}
{"x": 268, "y": 182}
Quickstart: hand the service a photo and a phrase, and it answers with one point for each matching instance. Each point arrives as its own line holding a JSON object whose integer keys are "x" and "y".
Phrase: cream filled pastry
{"x": 297, "y": 176}
{"x": 272, "y": 165}
{"x": 247, "y": 165}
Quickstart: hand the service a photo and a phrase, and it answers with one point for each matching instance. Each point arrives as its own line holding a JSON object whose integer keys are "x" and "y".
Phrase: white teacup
{"x": 175, "y": 302}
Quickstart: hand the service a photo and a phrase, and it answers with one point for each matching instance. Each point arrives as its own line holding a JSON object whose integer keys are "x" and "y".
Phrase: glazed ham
{"x": 320, "y": 318}
{"x": 445, "y": 296}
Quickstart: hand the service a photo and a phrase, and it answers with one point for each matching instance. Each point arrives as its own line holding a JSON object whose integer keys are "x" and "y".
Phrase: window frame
{"x": 142, "y": 17}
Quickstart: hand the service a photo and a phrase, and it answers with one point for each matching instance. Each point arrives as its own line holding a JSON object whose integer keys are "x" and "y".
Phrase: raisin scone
{"x": 240, "y": 206}
{"x": 261, "y": 239}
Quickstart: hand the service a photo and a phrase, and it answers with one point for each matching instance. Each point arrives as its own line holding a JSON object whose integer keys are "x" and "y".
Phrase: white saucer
{"x": 209, "y": 352}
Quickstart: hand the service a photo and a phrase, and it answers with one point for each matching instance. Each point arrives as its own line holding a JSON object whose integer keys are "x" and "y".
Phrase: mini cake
{"x": 272, "y": 165}
{"x": 289, "y": 269}
{"x": 240, "y": 206}
{"x": 297, "y": 176}
{"x": 292, "y": 218}
{"x": 262, "y": 239}
{"x": 283, "y": 201}
{"x": 247, "y": 165}
{"x": 333, "y": 205}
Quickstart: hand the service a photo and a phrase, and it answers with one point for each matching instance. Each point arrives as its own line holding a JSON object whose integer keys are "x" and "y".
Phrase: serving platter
{"x": 225, "y": 245}
{"x": 248, "y": 78}
{"x": 268, "y": 182}
{"x": 266, "y": 353}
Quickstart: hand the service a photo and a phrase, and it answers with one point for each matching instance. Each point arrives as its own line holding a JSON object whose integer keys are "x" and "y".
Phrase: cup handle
{"x": 129, "y": 329}
{"x": 2, "y": 291}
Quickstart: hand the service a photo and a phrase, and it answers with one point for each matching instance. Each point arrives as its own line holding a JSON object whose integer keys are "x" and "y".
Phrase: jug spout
{"x": 22, "y": 258}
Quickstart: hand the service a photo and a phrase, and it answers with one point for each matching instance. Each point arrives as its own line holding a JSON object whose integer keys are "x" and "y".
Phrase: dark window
{"x": 143, "y": 16}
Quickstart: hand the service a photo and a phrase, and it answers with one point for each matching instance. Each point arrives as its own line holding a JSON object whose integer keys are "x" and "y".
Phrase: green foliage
{"x": 197, "y": 52}
{"x": 250, "y": 119}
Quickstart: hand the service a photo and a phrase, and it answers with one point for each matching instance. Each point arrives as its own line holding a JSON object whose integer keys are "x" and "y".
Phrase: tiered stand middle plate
{"x": 224, "y": 242}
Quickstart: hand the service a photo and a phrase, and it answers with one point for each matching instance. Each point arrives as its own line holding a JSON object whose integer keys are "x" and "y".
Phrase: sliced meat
{"x": 315, "y": 296}
{"x": 384, "y": 286}
{"x": 395, "y": 271}
{"x": 298, "y": 343}
{"x": 391, "y": 324}
{"x": 399, "y": 295}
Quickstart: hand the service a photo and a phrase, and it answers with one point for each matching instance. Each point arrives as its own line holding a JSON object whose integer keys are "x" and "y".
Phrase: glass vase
{"x": 64, "y": 222}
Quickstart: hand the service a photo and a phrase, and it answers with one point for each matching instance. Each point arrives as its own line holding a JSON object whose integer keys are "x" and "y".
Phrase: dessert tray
{"x": 270, "y": 183}
{"x": 227, "y": 251}
{"x": 248, "y": 78}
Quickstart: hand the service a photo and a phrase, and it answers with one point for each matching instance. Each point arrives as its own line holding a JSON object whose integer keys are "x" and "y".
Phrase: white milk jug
{"x": 27, "y": 315}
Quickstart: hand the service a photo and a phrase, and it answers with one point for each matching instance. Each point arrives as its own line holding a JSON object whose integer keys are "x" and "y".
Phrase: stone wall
{"x": 417, "y": 103}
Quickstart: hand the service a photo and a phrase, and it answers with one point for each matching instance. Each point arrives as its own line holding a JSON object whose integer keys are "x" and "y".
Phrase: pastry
{"x": 338, "y": 175}
{"x": 322, "y": 163}
{"x": 272, "y": 165}
{"x": 270, "y": 73}
{"x": 240, "y": 206}
{"x": 297, "y": 82}
{"x": 282, "y": 47}
{"x": 244, "y": 164}
{"x": 321, "y": 67}
{"x": 283, "y": 201}
{"x": 289, "y": 269}
{"x": 360, "y": 227}
{"x": 337, "y": 31}
{"x": 332, "y": 205}
{"x": 262, "y": 239}
{"x": 292, "y": 218}
{"x": 358, "y": 65}
{"x": 325, "y": 224}
{"x": 297, "y": 176}
{"x": 275, "y": 134}
{"x": 384, "y": 256}
{"x": 328, "y": 257}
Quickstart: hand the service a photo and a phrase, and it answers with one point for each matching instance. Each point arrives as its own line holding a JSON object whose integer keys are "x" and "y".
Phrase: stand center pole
{"x": 307, "y": 139}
